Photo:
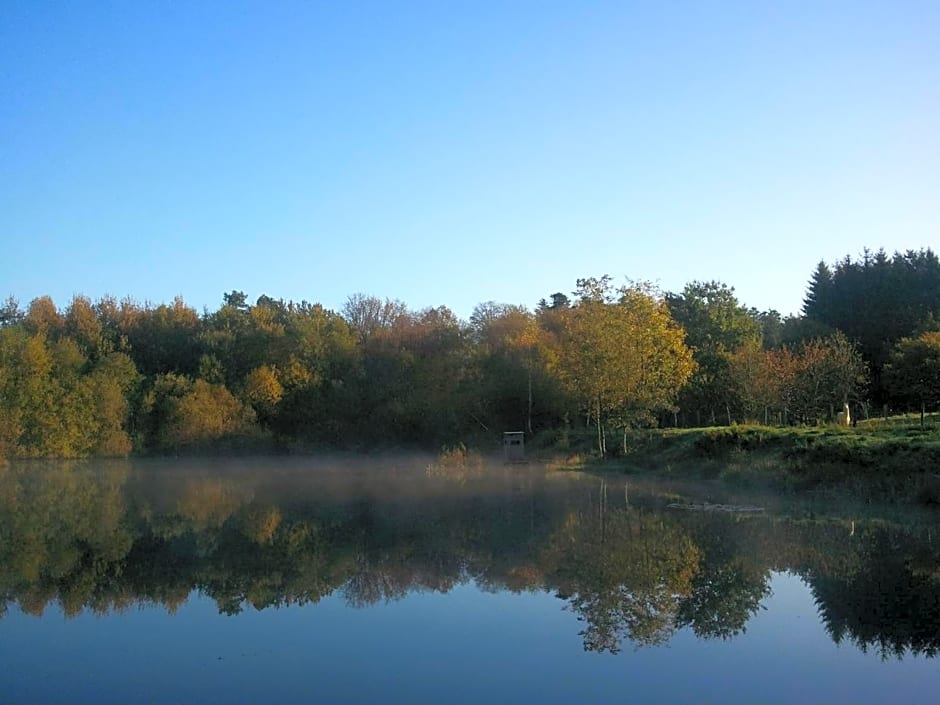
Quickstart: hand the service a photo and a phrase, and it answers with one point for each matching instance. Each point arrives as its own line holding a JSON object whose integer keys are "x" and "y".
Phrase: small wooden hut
{"x": 514, "y": 446}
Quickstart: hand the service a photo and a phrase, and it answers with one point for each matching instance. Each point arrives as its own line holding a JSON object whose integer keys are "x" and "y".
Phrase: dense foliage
{"x": 110, "y": 377}
{"x": 876, "y": 301}
{"x": 106, "y": 377}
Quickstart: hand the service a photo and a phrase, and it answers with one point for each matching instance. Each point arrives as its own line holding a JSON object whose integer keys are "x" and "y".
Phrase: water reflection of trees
{"x": 107, "y": 538}
{"x": 890, "y": 602}
{"x": 624, "y": 573}
{"x": 641, "y": 574}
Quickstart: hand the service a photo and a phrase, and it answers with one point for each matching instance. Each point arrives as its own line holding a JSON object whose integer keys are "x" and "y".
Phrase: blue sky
{"x": 451, "y": 153}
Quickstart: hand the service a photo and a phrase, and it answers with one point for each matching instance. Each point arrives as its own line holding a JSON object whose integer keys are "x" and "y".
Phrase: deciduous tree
{"x": 622, "y": 355}
{"x": 912, "y": 376}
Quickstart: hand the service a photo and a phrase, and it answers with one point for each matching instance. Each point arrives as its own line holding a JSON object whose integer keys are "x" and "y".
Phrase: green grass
{"x": 895, "y": 460}
{"x": 902, "y": 421}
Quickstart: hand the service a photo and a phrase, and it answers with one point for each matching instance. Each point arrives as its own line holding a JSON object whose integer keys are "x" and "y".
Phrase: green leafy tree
{"x": 512, "y": 359}
{"x": 83, "y": 326}
{"x": 12, "y": 383}
{"x": 716, "y": 325}
{"x": 912, "y": 375}
{"x": 772, "y": 327}
{"x": 165, "y": 339}
{"x": 159, "y": 408}
{"x": 211, "y": 369}
{"x": 31, "y": 394}
{"x": 319, "y": 376}
{"x": 113, "y": 317}
{"x": 183, "y": 414}
{"x": 116, "y": 391}
{"x": 206, "y": 414}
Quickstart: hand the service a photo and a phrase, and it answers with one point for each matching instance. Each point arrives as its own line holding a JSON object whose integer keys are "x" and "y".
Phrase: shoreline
{"x": 885, "y": 464}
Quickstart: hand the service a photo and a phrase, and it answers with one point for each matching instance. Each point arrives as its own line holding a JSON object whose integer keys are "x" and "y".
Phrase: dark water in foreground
{"x": 299, "y": 581}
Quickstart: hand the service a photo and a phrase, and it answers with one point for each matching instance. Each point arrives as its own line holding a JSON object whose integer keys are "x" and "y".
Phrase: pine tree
{"x": 818, "y": 301}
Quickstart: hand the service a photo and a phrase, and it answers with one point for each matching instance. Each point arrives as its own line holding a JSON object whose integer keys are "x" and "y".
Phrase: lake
{"x": 386, "y": 580}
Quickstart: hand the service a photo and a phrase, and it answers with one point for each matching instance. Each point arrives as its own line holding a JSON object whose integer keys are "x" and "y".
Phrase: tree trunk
{"x": 528, "y": 422}
{"x": 923, "y": 409}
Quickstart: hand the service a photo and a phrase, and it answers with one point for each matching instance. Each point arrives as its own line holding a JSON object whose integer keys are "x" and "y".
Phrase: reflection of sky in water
{"x": 462, "y": 646}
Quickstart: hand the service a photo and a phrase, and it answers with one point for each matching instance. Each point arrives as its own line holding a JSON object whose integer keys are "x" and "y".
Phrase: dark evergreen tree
{"x": 876, "y": 300}
{"x": 817, "y": 303}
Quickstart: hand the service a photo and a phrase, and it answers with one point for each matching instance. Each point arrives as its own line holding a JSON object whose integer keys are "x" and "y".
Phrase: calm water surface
{"x": 342, "y": 581}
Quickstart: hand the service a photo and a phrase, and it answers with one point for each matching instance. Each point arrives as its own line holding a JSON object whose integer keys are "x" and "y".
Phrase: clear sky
{"x": 457, "y": 152}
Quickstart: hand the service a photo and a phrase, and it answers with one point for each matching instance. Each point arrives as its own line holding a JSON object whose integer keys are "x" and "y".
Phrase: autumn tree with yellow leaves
{"x": 622, "y": 355}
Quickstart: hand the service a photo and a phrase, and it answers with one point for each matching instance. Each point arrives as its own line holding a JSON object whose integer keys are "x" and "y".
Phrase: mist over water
{"x": 389, "y": 578}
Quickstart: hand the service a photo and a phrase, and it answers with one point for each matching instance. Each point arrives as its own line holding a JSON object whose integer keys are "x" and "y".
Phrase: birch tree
{"x": 622, "y": 355}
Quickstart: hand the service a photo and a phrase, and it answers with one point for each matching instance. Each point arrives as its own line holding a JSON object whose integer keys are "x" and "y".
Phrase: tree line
{"x": 112, "y": 377}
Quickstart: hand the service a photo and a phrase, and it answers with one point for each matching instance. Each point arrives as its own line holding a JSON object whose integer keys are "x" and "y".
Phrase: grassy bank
{"x": 897, "y": 461}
